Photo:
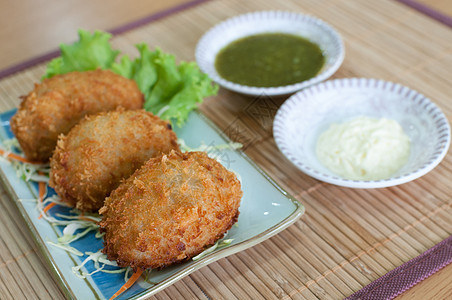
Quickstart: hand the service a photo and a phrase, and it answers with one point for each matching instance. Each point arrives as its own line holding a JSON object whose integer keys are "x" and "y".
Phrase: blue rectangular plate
{"x": 265, "y": 210}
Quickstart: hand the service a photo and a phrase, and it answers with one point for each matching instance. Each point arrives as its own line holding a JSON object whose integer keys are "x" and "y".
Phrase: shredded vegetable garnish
{"x": 218, "y": 245}
{"x": 216, "y": 152}
{"x": 10, "y": 144}
{"x": 77, "y": 225}
{"x": 32, "y": 172}
{"x": 42, "y": 193}
{"x": 42, "y": 190}
{"x": 126, "y": 274}
{"x": 9, "y": 147}
{"x": 209, "y": 148}
{"x": 91, "y": 257}
{"x": 91, "y": 218}
{"x": 57, "y": 200}
{"x": 28, "y": 200}
{"x": 129, "y": 283}
{"x": 66, "y": 247}
{"x": 71, "y": 237}
{"x": 162, "y": 110}
{"x": 98, "y": 258}
{"x": 71, "y": 226}
{"x": 46, "y": 209}
{"x": 25, "y": 169}
{"x": 65, "y": 220}
{"x": 146, "y": 277}
{"x": 12, "y": 156}
{"x": 100, "y": 261}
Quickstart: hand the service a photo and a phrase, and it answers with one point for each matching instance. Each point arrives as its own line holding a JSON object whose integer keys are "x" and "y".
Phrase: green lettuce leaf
{"x": 168, "y": 83}
{"x": 194, "y": 87}
{"x": 171, "y": 91}
{"x": 92, "y": 51}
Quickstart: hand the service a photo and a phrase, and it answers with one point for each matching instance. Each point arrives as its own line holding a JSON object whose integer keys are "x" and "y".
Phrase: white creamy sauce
{"x": 364, "y": 148}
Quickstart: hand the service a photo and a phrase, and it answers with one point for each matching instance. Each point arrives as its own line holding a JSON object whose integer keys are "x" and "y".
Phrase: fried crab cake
{"x": 169, "y": 210}
{"x": 91, "y": 160}
{"x": 60, "y": 102}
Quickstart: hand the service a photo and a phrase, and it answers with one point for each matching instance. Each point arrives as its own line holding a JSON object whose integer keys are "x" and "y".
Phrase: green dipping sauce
{"x": 269, "y": 60}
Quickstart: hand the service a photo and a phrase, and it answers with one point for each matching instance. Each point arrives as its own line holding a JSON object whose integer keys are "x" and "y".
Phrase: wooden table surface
{"x": 32, "y": 28}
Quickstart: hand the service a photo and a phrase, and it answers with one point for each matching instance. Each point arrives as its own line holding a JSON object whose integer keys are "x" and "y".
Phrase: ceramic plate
{"x": 265, "y": 210}
{"x": 305, "y": 115}
{"x": 309, "y": 27}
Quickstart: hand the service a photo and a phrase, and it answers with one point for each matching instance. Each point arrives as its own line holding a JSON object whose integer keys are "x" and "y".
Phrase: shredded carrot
{"x": 82, "y": 217}
{"x": 17, "y": 157}
{"x": 87, "y": 219}
{"x": 42, "y": 189}
{"x": 128, "y": 284}
{"x": 42, "y": 193}
{"x": 47, "y": 208}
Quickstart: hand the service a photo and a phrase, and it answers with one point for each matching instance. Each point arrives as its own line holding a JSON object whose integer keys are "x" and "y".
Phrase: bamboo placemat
{"x": 348, "y": 237}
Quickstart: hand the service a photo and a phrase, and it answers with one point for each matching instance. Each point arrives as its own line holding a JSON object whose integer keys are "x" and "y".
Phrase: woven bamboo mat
{"x": 348, "y": 237}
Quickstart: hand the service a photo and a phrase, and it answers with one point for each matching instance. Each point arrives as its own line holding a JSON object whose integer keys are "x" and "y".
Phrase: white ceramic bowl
{"x": 241, "y": 26}
{"x": 305, "y": 115}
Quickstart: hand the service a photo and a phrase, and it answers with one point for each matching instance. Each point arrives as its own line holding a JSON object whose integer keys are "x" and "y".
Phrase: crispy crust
{"x": 58, "y": 103}
{"x": 91, "y": 160}
{"x": 169, "y": 210}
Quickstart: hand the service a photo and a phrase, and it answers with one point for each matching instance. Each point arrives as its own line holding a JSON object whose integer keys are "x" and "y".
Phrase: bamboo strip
{"x": 16, "y": 260}
{"x": 347, "y": 238}
{"x": 411, "y": 233}
{"x": 293, "y": 262}
{"x": 163, "y": 295}
{"x": 263, "y": 272}
{"x": 360, "y": 235}
{"x": 264, "y": 291}
{"x": 392, "y": 218}
{"x": 440, "y": 191}
{"x": 234, "y": 279}
{"x": 422, "y": 81}
{"x": 345, "y": 241}
{"x": 337, "y": 264}
{"x": 27, "y": 246}
{"x": 276, "y": 269}
{"x": 359, "y": 54}
{"x": 428, "y": 204}
{"x": 207, "y": 279}
{"x": 277, "y": 260}
{"x": 188, "y": 291}
{"x": 171, "y": 293}
{"x": 204, "y": 284}
{"x": 225, "y": 275}
{"x": 374, "y": 232}
{"x": 391, "y": 10}
{"x": 311, "y": 265}
{"x": 5, "y": 293}
{"x": 192, "y": 288}
{"x": 11, "y": 279}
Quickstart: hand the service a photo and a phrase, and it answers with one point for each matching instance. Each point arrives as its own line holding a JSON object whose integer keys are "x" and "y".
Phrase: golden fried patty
{"x": 58, "y": 103}
{"x": 169, "y": 210}
{"x": 91, "y": 160}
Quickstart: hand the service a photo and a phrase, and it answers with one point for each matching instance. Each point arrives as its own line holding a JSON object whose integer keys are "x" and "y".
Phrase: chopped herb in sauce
{"x": 269, "y": 60}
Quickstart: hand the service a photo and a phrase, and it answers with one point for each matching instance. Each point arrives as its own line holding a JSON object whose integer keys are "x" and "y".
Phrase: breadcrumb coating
{"x": 103, "y": 149}
{"x": 60, "y": 102}
{"x": 169, "y": 210}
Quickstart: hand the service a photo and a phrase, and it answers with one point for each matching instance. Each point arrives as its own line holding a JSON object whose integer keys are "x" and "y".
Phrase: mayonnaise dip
{"x": 364, "y": 148}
